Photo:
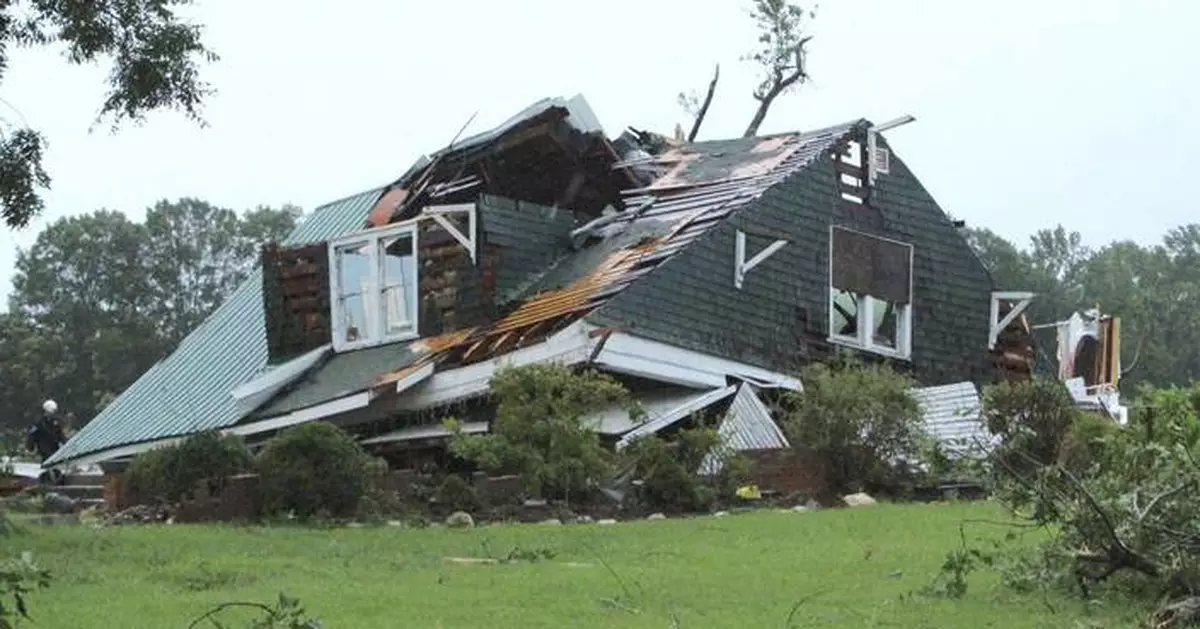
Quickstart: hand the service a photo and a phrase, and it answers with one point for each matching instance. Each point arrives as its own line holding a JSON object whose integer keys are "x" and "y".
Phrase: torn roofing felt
{"x": 189, "y": 391}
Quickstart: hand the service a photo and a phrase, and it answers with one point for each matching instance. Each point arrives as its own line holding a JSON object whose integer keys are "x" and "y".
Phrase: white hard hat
{"x": 50, "y": 406}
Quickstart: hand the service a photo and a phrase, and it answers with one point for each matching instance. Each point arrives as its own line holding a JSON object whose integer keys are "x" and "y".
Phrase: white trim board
{"x": 636, "y": 356}
{"x": 413, "y": 433}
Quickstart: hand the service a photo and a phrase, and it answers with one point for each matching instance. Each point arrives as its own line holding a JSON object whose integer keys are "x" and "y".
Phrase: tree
{"x": 200, "y": 254}
{"x": 98, "y": 298}
{"x": 1152, "y": 288}
{"x": 155, "y": 65}
{"x": 83, "y": 288}
{"x": 1126, "y": 510}
{"x": 780, "y": 57}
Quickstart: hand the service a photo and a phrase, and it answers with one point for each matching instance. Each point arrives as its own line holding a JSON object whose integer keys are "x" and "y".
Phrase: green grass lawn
{"x": 738, "y": 572}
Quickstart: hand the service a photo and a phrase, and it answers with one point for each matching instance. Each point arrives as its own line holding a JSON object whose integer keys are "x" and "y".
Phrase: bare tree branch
{"x": 703, "y": 110}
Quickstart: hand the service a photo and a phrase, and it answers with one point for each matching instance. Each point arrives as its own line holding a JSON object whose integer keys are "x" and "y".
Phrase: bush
{"x": 1032, "y": 416}
{"x": 540, "y": 431}
{"x": 171, "y": 473}
{"x": 457, "y": 494}
{"x": 858, "y": 421}
{"x": 313, "y": 469}
{"x": 669, "y": 470}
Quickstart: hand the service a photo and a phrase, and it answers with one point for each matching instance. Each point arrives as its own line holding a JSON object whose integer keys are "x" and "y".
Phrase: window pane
{"x": 399, "y": 283}
{"x": 885, "y": 326}
{"x": 845, "y": 313}
{"x": 353, "y": 269}
{"x": 353, "y": 275}
{"x": 354, "y": 318}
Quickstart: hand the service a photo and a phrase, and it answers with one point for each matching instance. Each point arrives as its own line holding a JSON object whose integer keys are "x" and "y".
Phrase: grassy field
{"x": 736, "y": 572}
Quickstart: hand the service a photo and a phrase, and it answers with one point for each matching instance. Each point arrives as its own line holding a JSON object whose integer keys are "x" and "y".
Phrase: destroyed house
{"x": 702, "y": 275}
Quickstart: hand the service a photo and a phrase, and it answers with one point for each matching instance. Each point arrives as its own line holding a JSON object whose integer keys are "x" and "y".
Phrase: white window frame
{"x": 864, "y": 340}
{"x": 372, "y": 302}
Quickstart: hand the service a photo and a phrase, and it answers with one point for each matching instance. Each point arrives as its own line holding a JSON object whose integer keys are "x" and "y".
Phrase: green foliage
{"x": 457, "y": 494}
{"x": 856, "y": 419}
{"x": 539, "y": 431}
{"x": 18, "y": 579}
{"x": 171, "y": 473}
{"x": 313, "y": 469}
{"x": 780, "y": 56}
{"x": 98, "y": 299}
{"x": 1122, "y": 499}
{"x": 1033, "y": 417}
{"x": 155, "y": 57}
{"x": 669, "y": 466}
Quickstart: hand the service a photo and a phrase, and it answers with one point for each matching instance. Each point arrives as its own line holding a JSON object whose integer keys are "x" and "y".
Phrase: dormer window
{"x": 373, "y": 292}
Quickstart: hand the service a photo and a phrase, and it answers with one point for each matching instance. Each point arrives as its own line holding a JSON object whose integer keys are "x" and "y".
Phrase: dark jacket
{"x": 46, "y": 436}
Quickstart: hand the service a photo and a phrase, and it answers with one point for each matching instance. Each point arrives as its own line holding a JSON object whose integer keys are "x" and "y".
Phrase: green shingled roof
{"x": 190, "y": 390}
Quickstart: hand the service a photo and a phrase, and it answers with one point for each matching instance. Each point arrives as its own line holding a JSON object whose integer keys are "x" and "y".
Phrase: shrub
{"x": 858, "y": 421}
{"x": 171, "y": 473}
{"x": 1032, "y": 416}
{"x": 1086, "y": 443}
{"x": 313, "y": 469}
{"x": 540, "y": 432}
{"x": 669, "y": 469}
{"x": 457, "y": 494}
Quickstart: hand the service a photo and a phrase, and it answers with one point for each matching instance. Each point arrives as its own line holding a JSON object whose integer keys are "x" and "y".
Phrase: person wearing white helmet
{"x": 46, "y": 436}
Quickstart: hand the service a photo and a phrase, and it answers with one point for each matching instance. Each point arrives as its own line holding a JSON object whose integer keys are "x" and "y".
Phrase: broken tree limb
{"x": 782, "y": 78}
{"x": 703, "y": 111}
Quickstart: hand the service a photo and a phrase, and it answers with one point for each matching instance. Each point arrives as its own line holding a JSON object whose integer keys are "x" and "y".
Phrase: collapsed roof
{"x": 637, "y": 201}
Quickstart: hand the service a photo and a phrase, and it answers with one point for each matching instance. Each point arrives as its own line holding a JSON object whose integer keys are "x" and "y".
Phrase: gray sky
{"x": 1082, "y": 112}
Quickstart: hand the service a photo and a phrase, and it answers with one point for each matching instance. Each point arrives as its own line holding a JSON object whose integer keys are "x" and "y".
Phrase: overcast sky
{"x": 1029, "y": 113}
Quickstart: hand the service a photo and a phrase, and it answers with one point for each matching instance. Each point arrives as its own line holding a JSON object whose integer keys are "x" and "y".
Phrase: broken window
{"x": 870, "y": 294}
{"x": 374, "y": 288}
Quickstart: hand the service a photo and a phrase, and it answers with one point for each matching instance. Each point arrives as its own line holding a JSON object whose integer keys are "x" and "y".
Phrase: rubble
{"x": 141, "y": 514}
{"x": 460, "y": 520}
{"x": 859, "y": 499}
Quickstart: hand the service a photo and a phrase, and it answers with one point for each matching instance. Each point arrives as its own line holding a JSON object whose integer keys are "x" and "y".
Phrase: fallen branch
{"x": 212, "y": 613}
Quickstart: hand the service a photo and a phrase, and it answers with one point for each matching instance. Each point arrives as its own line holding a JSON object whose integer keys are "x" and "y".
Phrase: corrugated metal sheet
{"x": 659, "y": 403}
{"x": 747, "y": 426}
{"x": 190, "y": 390}
{"x": 695, "y": 403}
{"x": 952, "y": 416}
